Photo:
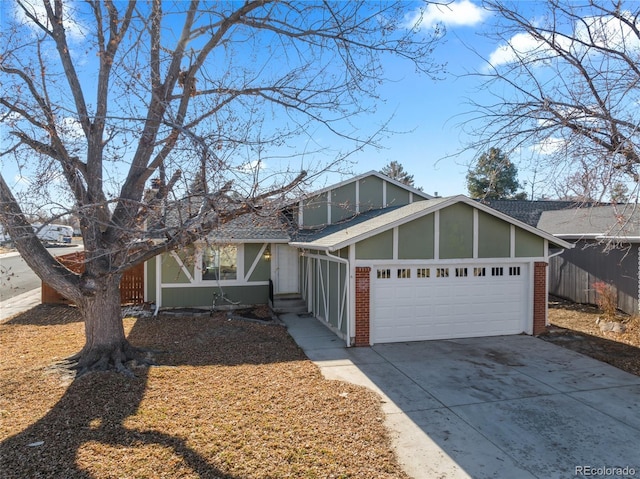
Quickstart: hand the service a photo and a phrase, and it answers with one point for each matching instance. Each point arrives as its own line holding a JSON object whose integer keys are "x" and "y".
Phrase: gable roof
{"x": 349, "y": 232}
{"x": 597, "y": 222}
{"x": 377, "y": 174}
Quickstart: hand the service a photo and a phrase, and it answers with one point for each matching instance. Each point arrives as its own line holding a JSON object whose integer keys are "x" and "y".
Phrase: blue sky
{"x": 426, "y": 113}
{"x": 431, "y": 111}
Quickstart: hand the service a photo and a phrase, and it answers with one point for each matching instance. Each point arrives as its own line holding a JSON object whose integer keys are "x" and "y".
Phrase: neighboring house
{"x": 376, "y": 261}
{"x": 528, "y": 211}
{"x": 607, "y": 239}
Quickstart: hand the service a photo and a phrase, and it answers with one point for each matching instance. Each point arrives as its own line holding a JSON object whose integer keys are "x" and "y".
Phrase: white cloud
{"x": 604, "y": 32}
{"x": 74, "y": 28}
{"x": 549, "y": 146}
{"x": 520, "y": 45}
{"x": 460, "y": 13}
{"x": 70, "y": 129}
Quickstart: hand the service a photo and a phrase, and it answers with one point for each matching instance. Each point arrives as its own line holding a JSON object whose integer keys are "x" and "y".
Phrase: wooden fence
{"x": 131, "y": 284}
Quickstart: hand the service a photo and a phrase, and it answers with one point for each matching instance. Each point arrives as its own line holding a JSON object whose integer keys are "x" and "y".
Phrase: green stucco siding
{"x": 377, "y": 247}
{"x": 396, "y": 196}
{"x": 370, "y": 193}
{"x": 456, "y": 232}
{"x": 203, "y": 296}
{"x": 494, "y": 237}
{"x": 415, "y": 239}
{"x": 263, "y": 268}
{"x": 528, "y": 245}
{"x": 151, "y": 279}
{"x": 171, "y": 270}
{"x": 343, "y": 202}
{"x": 314, "y": 211}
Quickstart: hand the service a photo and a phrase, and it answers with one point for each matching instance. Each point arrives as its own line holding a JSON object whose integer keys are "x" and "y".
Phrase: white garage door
{"x": 414, "y": 303}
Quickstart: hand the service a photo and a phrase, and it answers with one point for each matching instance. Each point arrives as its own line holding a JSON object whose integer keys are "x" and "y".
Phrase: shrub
{"x": 606, "y": 298}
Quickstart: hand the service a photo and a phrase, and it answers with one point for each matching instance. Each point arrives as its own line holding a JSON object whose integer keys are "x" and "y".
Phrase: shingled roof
{"x": 612, "y": 221}
{"x": 529, "y": 211}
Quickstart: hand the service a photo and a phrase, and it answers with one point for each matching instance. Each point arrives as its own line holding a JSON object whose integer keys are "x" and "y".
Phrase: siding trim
{"x": 512, "y": 241}
{"x": 436, "y": 235}
{"x": 476, "y": 234}
{"x": 396, "y": 235}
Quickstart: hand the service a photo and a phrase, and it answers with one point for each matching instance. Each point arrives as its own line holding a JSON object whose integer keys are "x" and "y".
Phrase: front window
{"x": 220, "y": 263}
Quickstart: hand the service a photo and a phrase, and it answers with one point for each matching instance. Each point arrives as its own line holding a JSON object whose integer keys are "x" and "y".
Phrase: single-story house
{"x": 376, "y": 261}
{"x": 607, "y": 241}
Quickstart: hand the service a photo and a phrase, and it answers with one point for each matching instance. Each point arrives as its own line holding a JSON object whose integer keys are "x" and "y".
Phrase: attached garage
{"x": 427, "y": 301}
{"x": 433, "y": 269}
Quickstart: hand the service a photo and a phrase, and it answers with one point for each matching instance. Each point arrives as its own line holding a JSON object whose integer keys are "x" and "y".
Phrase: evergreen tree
{"x": 494, "y": 177}
{"x": 396, "y": 171}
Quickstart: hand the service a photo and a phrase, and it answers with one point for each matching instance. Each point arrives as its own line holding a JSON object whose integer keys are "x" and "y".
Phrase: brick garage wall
{"x": 363, "y": 296}
{"x": 539, "y": 298}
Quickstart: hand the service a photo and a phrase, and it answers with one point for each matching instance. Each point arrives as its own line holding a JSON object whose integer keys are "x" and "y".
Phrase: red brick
{"x": 539, "y": 298}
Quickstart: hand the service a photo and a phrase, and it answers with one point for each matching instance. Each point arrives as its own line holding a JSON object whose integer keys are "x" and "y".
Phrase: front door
{"x": 286, "y": 270}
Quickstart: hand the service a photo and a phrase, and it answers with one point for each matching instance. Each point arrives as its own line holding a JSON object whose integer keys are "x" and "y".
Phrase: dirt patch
{"x": 229, "y": 399}
{"x": 574, "y": 326}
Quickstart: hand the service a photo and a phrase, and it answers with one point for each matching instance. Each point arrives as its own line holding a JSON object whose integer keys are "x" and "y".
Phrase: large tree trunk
{"x": 106, "y": 346}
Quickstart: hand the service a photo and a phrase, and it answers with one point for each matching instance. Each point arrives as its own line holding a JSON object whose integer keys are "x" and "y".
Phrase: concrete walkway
{"x": 19, "y": 304}
{"x": 497, "y": 407}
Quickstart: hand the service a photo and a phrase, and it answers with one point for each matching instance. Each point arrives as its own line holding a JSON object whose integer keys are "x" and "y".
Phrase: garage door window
{"x": 423, "y": 272}
{"x": 404, "y": 273}
{"x": 442, "y": 272}
{"x": 514, "y": 270}
{"x": 461, "y": 272}
{"x": 497, "y": 271}
{"x": 479, "y": 271}
{"x": 384, "y": 273}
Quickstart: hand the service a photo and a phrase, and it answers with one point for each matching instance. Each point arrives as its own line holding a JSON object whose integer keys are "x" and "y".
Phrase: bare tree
{"x": 100, "y": 98}
{"x": 565, "y": 81}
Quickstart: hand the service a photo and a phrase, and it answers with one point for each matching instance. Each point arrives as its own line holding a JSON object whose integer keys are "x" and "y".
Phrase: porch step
{"x": 289, "y": 303}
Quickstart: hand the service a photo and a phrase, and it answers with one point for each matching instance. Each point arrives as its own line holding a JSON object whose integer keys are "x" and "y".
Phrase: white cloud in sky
{"x": 460, "y": 13}
{"x": 605, "y": 32}
{"x": 73, "y": 27}
{"x": 521, "y": 44}
{"x": 549, "y": 146}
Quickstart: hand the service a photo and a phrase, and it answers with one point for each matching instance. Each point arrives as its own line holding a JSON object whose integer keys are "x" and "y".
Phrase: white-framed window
{"x": 480, "y": 271}
{"x": 404, "y": 273}
{"x": 442, "y": 272}
{"x": 423, "y": 273}
{"x": 461, "y": 272}
{"x": 497, "y": 271}
{"x": 384, "y": 273}
{"x": 220, "y": 263}
{"x": 514, "y": 270}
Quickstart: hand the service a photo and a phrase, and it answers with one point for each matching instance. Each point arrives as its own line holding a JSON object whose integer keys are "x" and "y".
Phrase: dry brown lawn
{"x": 574, "y": 326}
{"x": 229, "y": 399}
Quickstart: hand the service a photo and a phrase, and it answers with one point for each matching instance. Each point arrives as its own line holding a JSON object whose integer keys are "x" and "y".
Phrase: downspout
{"x": 348, "y": 288}
{"x": 158, "y": 285}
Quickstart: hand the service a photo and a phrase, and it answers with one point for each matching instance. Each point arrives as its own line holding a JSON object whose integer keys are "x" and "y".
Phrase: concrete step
{"x": 289, "y": 303}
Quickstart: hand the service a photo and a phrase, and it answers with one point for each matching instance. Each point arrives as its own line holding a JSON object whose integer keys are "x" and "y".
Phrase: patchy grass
{"x": 230, "y": 399}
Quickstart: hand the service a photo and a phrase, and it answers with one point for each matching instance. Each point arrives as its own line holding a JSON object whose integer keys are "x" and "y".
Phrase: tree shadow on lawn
{"x": 94, "y": 408}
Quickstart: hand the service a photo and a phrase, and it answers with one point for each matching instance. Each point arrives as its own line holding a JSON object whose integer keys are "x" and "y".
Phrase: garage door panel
{"x": 411, "y": 309}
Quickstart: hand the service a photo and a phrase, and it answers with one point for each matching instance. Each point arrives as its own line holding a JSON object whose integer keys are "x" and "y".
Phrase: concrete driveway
{"x": 507, "y": 406}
